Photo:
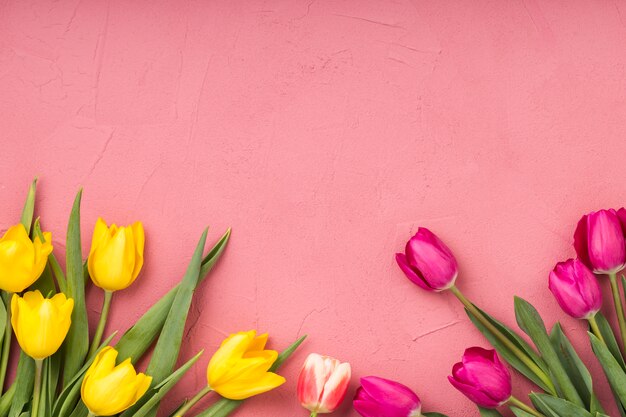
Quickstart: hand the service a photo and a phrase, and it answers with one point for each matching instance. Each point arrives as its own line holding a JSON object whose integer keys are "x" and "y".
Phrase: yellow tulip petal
{"x": 227, "y": 355}
{"x": 242, "y": 389}
{"x": 139, "y": 238}
{"x": 16, "y": 233}
{"x": 259, "y": 342}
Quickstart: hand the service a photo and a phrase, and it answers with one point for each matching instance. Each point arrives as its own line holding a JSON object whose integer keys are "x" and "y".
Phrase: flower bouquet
{"x": 62, "y": 371}
{"x": 564, "y": 386}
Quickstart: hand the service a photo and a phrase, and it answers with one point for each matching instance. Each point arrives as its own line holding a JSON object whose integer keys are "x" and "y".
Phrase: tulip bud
{"x": 323, "y": 383}
{"x": 22, "y": 260}
{"x": 240, "y": 367}
{"x": 41, "y": 324}
{"x": 482, "y": 378}
{"x": 428, "y": 262}
{"x": 576, "y": 289}
{"x": 116, "y": 255}
{"x": 379, "y": 397}
{"x": 108, "y": 389}
{"x": 599, "y": 241}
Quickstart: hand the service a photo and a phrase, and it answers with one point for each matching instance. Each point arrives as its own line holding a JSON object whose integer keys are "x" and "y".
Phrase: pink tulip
{"x": 482, "y": 378}
{"x": 379, "y": 397}
{"x": 576, "y": 289}
{"x": 428, "y": 262}
{"x": 323, "y": 383}
{"x": 599, "y": 241}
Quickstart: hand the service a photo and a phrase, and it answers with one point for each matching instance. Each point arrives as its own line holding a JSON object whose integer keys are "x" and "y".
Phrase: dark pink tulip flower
{"x": 576, "y": 289}
{"x": 379, "y": 397}
{"x": 482, "y": 378}
{"x": 428, "y": 262}
{"x": 599, "y": 241}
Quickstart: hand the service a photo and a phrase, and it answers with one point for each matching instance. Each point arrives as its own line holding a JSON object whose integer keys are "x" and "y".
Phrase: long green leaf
{"x": 6, "y": 400}
{"x": 434, "y": 415}
{"x": 77, "y": 340}
{"x": 612, "y": 369}
{"x": 531, "y": 323}
{"x": 223, "y": 407}
{"x": 560, "y": 406}
{"x": 167, "y": 347}
{"x": 29, "y": 207}
{"x": 136, "y": 341}
{"x": 575, "y": 368}
{"x": 23, "y": 384}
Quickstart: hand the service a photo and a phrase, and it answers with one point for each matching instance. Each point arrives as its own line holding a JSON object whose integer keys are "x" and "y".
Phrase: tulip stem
{"x": 593, "y": 323}
{"x": 6, "y": 342}
{"x": 37, "y": 389}
{"x": 503, "y": 339}
{"x": 97, "y": 337}
{"x": 187, "y": 406}
{"x": 619, "y": 309}
{"x": 313, "y": 414}
{"x": 519, "y": 404}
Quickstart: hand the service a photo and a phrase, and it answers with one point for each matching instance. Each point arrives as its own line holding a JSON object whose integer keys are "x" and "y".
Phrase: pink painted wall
{"x": 323, "y": 132}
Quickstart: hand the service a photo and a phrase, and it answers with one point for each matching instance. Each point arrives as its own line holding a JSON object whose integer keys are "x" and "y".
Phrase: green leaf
{"x": 45, "y": 283}
{"x": 560, "y": 406}
{"x": 520, "y": 413}
{"x": 506, "y": 353}
{"x": 434, "y": 415}
{"x": 223, "y": 407}
{"x": 23, "y": 384}
{"x": 136, "y": 341}
{"x": 6, "y": 400}
{"x": 29, "y": 207}
{"x": 489, "y": 412}
{"x": 167, "y": 347}
{"x": 531, "y": 323}
{"x": 612, "y": 369}
{"x": 610, "y": 339}
{"x": 77, "y": 340}
{"x": 575, "y": 368}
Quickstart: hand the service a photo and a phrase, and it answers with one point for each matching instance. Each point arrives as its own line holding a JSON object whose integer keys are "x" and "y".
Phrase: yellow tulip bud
{"x": 108, "y": 389}
{"x": 116, "y": 255}
{"x": 22, "y": 260}
{"x": 41, "y": 324}
{"x": 239, "y": 368}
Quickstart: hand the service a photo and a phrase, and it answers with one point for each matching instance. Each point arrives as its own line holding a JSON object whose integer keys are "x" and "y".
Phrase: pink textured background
{"x": 323, "y": 132}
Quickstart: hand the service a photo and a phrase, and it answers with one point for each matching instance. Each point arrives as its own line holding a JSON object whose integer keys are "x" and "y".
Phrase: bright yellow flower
{"x": 21, "y": 260}
{"x": 116, "y": 255}
{"x": 239, "y": 368}
{"x": 108, "y": 389}
{"x": 41, "y": 324}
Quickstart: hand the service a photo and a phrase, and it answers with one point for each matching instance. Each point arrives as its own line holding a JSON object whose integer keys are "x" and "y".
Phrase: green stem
{"x": 313, "y": 414}
{"x": 37, "y": 389}
{"x": 517, "y": 403}
{"x": 97, "y": 337}
{"x": 6, "y": 343}
{"x": 593, "y": 323}
{"x": 619, "y": 309}
{"x": 90, "y": 414}
{"x": 182, "y": 410}
{"x": 504, "y": 340}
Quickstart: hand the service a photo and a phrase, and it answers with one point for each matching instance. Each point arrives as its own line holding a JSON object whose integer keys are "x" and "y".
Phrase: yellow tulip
{"x": 22, "y": 260}
{"x": 108, "y": 389}
{"x": 116, "y": 255}
{"x": 40, "y": 324}
{"x": 239, "y": 368}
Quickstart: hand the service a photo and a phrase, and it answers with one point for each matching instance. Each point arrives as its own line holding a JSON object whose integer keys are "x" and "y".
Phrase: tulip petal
{"x": 241, "y": 389}
{"x": 139, "y": 242}
{"x": 580, "y": 241}
{"x": 397, "y": 396}
{"x": 335, "y": 388}
{"x": 410, "y": 273}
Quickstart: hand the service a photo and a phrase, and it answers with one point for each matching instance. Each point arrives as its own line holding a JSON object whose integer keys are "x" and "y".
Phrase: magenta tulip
{"x": 428, "y": 262}
{"x": 599, "y": 241}
{"x": 379, "y": 397}
{"x": 482, "y": 378}
{"x": 576, "y": 289}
